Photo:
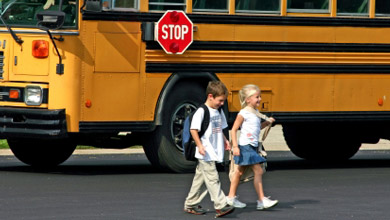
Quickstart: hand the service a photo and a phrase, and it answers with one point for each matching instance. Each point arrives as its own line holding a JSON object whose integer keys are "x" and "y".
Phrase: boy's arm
{"x": 195, "y": 136}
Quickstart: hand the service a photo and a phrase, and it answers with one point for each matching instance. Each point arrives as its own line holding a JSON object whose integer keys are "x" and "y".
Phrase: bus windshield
{"x": 23, "y": 12}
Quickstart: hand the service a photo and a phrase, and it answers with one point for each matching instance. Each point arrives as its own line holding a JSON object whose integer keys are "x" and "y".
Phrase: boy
{"x": 210, "y": 149}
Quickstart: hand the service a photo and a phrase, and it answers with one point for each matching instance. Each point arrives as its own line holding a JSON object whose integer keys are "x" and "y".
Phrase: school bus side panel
{"x": 112, "y": 82}
{"x": 65, "y": 89}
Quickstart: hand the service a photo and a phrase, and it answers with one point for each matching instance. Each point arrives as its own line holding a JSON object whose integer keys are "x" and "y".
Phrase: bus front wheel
{"x": 42, "y": 153}
{"x": 328, "y": 142}
{"x": 163, "y": 146}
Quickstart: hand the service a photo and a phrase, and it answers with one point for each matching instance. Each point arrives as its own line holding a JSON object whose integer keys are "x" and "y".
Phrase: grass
{"x": 3, "y": 144}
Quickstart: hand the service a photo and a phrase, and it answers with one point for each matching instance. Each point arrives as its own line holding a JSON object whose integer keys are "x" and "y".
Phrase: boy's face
{"x": 216, "y": 102}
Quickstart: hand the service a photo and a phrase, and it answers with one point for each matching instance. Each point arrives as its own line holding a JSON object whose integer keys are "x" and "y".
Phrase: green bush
{"x": 3, "y": 144}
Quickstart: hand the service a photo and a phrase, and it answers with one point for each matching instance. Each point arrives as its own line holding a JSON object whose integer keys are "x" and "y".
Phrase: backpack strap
{"x": 206, "y": 120}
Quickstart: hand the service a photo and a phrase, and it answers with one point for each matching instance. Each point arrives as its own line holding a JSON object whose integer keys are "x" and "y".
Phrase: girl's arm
{"x": 227, "y": 144}
{"x": 267, "y": 122}
{"x": 237, "y": 124}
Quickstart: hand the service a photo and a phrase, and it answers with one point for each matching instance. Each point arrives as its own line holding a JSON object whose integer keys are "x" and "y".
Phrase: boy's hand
{"x": 202, "y": 150}
{"x": 227, "y": 145}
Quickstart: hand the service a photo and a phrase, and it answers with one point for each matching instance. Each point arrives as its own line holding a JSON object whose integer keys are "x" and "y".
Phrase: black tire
{"x": 163, "y": 146}
{"x": 42, "y": 153}
{"x": 321, "y": 142}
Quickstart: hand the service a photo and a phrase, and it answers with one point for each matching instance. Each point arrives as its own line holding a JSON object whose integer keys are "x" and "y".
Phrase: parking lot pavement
{"x": 274, "y": 142}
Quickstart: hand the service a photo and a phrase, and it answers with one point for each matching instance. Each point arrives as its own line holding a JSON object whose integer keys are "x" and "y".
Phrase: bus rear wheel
{"x": 42, "y": 153}
{"x": 318, "y": 142}
{"x": 163, "y": 146}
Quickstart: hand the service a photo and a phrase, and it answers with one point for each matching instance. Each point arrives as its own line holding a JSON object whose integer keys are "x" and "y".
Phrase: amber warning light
{"x": 14, "y": 93}
{"x": 40, "y": 48}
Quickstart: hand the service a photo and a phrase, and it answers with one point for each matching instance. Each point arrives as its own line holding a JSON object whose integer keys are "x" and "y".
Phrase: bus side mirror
{"x": 50, "y": 20}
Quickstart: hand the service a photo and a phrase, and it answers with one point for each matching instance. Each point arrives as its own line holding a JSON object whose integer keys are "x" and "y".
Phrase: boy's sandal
{"x": 224, "y": 211}
{"x": 196, "y": 210}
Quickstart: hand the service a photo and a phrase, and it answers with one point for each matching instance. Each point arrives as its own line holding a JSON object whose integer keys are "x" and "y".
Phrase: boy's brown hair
{"x": 216, "y": 88}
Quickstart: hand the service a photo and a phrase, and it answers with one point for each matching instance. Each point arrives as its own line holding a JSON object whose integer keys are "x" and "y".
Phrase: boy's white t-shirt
{"x": 250, "y": 129}
{"x": 212, "y": 139}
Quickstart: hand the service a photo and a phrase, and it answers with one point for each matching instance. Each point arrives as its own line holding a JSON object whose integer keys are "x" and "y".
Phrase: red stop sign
{"x": 174, "y": 32}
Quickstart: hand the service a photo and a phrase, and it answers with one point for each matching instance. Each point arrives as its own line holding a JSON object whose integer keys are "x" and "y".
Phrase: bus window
{"x": 321, "y": 6}
{"x": 207, "y": 5}
{"x": 352, "y": 7}
{"x": 257, "y": 6}
{"x": 23, "y": 13}
{"x": 163, "y": 5}
{"x": 382, "y": 8}
{"x": 124, "y": 4}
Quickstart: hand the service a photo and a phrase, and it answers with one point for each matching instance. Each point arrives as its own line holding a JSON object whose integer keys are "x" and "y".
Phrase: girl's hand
{"x": 236, "y": 151}
{"x": 270, "y": 120}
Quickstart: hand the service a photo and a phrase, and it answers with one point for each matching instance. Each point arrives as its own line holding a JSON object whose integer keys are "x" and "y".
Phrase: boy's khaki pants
{"x": 206, "y": 174}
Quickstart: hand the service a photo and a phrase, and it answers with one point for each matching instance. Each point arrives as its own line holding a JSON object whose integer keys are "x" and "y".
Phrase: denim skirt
{"x": 248, "y": 156}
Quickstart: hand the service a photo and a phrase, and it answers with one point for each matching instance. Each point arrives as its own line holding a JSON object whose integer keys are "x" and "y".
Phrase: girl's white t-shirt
{"x": 212, "y": 139}
{"x": 250, "y": 129}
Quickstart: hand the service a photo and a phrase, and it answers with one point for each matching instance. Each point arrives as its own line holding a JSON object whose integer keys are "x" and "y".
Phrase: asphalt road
{"x": 120, "y": 186}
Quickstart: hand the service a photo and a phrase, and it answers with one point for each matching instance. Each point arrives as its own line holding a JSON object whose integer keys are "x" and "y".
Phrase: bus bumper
{"x": 32, "y": 123}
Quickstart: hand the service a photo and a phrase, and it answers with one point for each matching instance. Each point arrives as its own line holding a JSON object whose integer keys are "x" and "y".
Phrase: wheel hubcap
{"x": 177, "y": 123}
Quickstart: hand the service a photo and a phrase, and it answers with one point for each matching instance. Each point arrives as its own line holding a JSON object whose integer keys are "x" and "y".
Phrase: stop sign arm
{"x": 174, "y": 32}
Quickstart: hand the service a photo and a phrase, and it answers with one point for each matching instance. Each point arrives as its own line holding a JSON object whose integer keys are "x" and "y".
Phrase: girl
{"x": 245, "y": 151}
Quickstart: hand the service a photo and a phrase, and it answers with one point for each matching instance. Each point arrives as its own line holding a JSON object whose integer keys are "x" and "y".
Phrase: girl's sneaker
{"x": 235, "y": 202}
{"x": 266, "y": 203}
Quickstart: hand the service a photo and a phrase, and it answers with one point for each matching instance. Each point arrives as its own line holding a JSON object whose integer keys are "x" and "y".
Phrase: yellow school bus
{"x": 91, "y": 72}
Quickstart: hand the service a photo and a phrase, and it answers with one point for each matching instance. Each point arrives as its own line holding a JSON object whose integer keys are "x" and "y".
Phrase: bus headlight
{"x": 33, "y": 95}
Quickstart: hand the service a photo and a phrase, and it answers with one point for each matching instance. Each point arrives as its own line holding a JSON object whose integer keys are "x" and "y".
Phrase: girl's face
{"x": 254, "y": 100}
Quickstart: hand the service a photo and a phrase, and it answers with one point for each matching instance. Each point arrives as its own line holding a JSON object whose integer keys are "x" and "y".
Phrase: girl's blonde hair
{"x": 246, "y": 92}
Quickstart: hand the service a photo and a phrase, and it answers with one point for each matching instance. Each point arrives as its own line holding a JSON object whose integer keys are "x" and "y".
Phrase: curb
{"x": 8, "y": 152}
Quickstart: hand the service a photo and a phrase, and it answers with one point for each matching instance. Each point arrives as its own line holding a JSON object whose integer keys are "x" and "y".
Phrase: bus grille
{"x": 1, "y": 64}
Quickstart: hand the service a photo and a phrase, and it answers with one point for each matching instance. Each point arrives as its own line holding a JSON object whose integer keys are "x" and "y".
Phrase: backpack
{"x": 188, "y": 144}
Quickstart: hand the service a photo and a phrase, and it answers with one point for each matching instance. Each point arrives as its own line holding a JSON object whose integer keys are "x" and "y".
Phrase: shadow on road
{"x": 304, "y": 164}
{"x": 363, "y": 159}
{"x": 86, "y": 169}
{"x": 87, "y": 165}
